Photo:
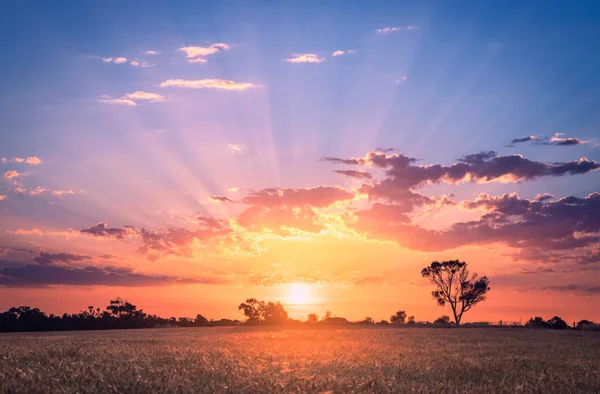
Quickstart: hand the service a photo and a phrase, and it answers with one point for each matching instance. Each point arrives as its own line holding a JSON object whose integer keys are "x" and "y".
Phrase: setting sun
{"x": 299, "y": 294}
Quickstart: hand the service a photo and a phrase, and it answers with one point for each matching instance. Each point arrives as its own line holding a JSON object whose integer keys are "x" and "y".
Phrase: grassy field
{"x": 240, "y": 359}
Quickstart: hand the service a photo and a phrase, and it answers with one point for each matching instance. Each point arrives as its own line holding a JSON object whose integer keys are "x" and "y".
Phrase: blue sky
{"x": 445, "y": 80}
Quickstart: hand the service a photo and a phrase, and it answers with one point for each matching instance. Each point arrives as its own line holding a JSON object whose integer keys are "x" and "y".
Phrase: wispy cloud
{"x": 118, "y": 101}
{"x": 340, "y": 52}
{"x": 305, "y": 58}
{"x": 2, "y": 197}
{"x": 220, "y": 199}
{"x": 403, "y": 79}
{"x": 393, "y": 29}
{"x": 31, "y": 160}
{"x": 130, "y": 98}
{"x": 150, "y": 52}
{"x": 196, "y": 54}
{"x": 139, "y": 95}
{"x": 120, "y": 60}
{"x": 557, "y": 139}
{"x": 207, "y": 84}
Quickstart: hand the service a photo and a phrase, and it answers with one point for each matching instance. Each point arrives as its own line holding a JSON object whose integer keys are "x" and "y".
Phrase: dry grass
{"x": 244, "y": 360}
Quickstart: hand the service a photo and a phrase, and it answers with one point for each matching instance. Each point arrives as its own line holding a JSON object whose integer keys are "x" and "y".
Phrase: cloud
{"x": 47, "y": 259}
{"x": 304, "y": 58}
{"x": 134, "y": 63}
{"x": 150, "y": 52}
{"x": 197, "y": 54}
{"x": 11, "y": 174}
{"x": 32, "y": 160}
{"x": 237, "y": 149}
{"x": 119, "y": 101}
{"x": 354, "y": 174}
{"x": 2, "y": 197}
{"x": 3, "y": 160}
{"x": 102, "y": 230}
{"x": 556, "y": 140}
{"x": 319, "y": 197}
{"x": 120, "y": 60}
{"x": 157, "y": 244}
{"x": 220, "y": 199}
{"x": 392, "y": 29}
{"x": 572, "y": 288}
{"x": 340, "y": 52}
{"x": 139, "y": 95}
{"x": 41, "y": 276}
{"x": 207, "y": 84}
{"x": 401, "y": 80}
{"x": 524, "y": 139}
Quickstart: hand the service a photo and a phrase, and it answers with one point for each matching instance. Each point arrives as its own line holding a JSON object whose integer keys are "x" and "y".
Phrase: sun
{"x": 299, "y": 294}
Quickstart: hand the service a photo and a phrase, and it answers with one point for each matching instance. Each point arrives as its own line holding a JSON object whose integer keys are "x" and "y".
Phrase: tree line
{"x": 454, "y": 286}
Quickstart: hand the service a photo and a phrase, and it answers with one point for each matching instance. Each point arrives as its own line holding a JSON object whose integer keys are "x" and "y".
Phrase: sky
{"x": 186, "y": 155}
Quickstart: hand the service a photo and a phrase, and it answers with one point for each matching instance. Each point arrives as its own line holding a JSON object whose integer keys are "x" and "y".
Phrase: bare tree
{"x": 456, "y": 286}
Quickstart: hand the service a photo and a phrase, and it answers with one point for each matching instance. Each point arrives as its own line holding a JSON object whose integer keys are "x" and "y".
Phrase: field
{"x": 244, "y": 360}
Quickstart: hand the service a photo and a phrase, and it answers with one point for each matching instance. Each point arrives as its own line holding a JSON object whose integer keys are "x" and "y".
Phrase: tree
{"x": 411, "y": 320}
{"x": 586, "y": 325}
{"x": 557, "y": 323}
{"x": 368, "y": 320}
{"x": 442, "y": 320}
{"x": 274, "y": 313}
{"x": 200, "y": 320}
{"x": 398, "y": 318}
{"x": 535, "y": 322}
{"x": 312, "y": 318}
{"x": 253, "y": 309}
{"x": 456, "y": 286}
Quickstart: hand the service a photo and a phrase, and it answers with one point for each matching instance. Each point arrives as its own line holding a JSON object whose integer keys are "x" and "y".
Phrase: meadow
{"x": 338, "y": 360}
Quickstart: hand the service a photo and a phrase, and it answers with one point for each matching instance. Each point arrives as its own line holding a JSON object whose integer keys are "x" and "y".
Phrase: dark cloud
{"x": 102, "y": 230}
{"x": 48, "y": 259}
{"x": 161, "y": 243}
{"x": 220, "y": 199}
{"x": 556, "y": 140}
{"x": 318, "y": 197}
{"x": 41, "y": 276}
{"x": 403, "y": 176}
{"x": 572, "y": 288}
{"x": 354, "y": 174}
{"x": 524, "y": 139}
{"x": 565, "y": 224}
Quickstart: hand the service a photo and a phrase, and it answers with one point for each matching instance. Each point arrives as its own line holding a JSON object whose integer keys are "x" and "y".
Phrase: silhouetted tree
{"x": 456, "y": 286}
{"x": 398, "y": 318}
{"x": 411, "y": 320}
{"x": 312, "y": 318}
{"x": 367, "y": 320}
{"x": 328, "y": 315}
{"x": 274, "y": 313}
{"x": 442, "y": 320}
{"x": 253, "y": 309}
{"x": 200, "y": 320}
{"x": 384, "y": 322}
{"x": 586, "y": 325}
{"x": 557, "y": 323}
{"x": 535, "y": 322}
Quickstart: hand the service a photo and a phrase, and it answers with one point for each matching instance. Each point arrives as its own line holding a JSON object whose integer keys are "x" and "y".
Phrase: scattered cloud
{"x": 340, "y": 52}
{"x": 11, "y": 174}
{"x": 197, "y": 54}
{"x": 118, "y": 101}
{"x": 150, "y": 52}
{"x": 220, "y": 199}
{"x": 120, "y": 60}
{"x": 207, "y": 84}
{"x": 2, "y": 197}
{"x": 33, "y": 160}
{"x": 134, "y": 63}
{"x": 305, "y": 58}
{"x": 354, "y": 174}
{"x": 403, "y": 79}
{"x": 41, "y": 275}
{"x": 139, "y": 95}
{"x": 393, "y": 29}
{"x": 557, "y": 140}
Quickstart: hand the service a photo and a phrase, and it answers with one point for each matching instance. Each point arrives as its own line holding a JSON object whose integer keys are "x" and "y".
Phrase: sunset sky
{"x": 188, "y": 155}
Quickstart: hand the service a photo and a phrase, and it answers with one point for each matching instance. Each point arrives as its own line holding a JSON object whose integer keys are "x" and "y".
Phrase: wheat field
{"x": 338, "y": 360}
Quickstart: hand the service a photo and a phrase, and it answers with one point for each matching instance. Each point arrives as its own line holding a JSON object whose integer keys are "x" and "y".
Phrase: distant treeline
{"x": 120, "y": 314}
